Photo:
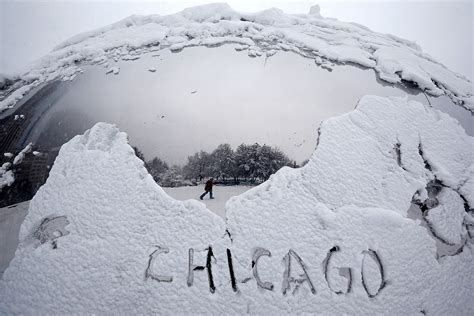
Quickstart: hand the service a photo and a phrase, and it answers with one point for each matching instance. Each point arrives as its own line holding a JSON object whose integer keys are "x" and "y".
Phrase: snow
{"x": 115, "y": 70}
{"x": 102, "y": 237}
{"x": 15, "y": 96}
{"x": 315, "y": 10}
{"x": 325, "y": 40}
{"x": 6, "y": 176}
{"x": 21, "y": 155}
{"x": 221, "y": 195}
{"x": 6, "y": 79}
{"x": 130, "y": 57}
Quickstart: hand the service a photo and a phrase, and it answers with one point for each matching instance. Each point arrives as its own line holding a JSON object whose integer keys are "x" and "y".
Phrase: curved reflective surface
{"x": 175, "y": 104}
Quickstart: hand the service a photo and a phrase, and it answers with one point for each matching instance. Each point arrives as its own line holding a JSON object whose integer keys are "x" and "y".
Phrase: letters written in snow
{"x": 290, "y": 259}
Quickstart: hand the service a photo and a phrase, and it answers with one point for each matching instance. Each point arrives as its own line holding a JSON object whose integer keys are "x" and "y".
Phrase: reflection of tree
{"x": 161, "y": 172}
{"x": 255, "y": 162}
{"x": 249, "y": 163}
{"x": 198, "y": 166}
{"x": 157, "y": 167}
{"x": 222, "y": 162}
{"x": 138, "y": 153}
{"x": 173, "y": 177}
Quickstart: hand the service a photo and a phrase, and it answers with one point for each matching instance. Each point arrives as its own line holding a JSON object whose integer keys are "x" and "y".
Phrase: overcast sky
{"x": 30, "y": 29}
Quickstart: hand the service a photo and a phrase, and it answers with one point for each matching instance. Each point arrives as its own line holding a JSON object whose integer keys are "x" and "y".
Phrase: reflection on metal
{"x": 30, "y": 175}
{"x": 198, "y": 98}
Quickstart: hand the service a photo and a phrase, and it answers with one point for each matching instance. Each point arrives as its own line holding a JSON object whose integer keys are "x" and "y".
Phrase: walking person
{"x": 208, "y": 188}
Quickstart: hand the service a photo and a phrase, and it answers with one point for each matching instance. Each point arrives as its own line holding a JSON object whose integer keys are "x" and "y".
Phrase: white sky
{"x": 444, "y": 29}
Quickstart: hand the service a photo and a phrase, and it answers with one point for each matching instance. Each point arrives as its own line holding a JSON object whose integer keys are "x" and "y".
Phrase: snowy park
{"x": 322, "y": 200}
{"x": 221, "y": 195}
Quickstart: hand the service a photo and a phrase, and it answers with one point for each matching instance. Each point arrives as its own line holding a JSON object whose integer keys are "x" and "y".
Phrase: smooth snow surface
{"x": 102, "y": 237}
{"x": 221, "y": 195}
{"x": 327, "y": 41}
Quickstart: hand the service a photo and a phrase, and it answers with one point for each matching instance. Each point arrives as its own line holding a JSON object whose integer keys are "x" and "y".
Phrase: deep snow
{"x": 334, "y": 237}
{"x": 102, "y": 237}
{"x": 327, "y": 41}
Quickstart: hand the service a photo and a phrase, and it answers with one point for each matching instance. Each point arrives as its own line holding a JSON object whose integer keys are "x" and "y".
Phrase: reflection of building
{"x": 35, "y": 168}
{"x": 10, "y": 133}
{"x": 30, "y": 175}
{"x": 15, "y": 129}
{"x": 14, "y": 133}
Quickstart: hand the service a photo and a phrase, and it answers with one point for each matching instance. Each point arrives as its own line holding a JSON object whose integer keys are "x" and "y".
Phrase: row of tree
{"x": 162, "y": 173}
{"x": 249, "y": 163}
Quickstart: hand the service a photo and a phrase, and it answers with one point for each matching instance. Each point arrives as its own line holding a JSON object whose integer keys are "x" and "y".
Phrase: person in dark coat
{"x": 208, "y": 188}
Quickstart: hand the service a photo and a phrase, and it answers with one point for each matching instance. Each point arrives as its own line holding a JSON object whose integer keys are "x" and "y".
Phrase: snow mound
{"x": 327, "y": 41}
{"x": 329, "y": 238}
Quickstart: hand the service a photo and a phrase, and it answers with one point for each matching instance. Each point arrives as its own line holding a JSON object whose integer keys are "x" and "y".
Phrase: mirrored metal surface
{"x": 175, "y": 104}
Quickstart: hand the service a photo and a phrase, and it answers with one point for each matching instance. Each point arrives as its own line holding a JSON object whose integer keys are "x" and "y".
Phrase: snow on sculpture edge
{"x": 327, "y": 41}
{"x": 396, "y": 147}
{"x": 101, "y": 236}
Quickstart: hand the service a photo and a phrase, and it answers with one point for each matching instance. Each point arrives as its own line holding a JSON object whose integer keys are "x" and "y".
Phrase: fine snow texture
{"x": 327, "y": 41}
{"x": 329, "y": 238}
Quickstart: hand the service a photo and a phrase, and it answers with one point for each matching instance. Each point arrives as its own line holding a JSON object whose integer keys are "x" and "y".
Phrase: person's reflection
{"x": 208, "y": 189}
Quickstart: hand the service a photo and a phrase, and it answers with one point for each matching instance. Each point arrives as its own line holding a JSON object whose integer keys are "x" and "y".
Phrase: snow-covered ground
{"x": 221, "y": 195}
{"x": 333, "y": 237}
{"x": 11, "y": 218}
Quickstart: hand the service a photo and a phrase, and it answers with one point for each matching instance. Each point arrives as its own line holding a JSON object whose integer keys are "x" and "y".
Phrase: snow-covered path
{"x": 221, "y": 195}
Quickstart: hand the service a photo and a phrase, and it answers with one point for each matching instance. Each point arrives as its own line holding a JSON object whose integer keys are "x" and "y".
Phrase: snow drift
{"x": 333, "y": 237}
{"x": 327, "y": 41}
